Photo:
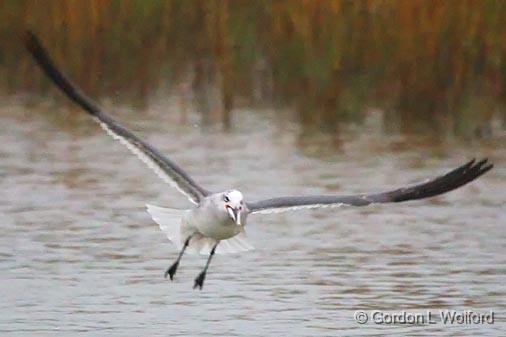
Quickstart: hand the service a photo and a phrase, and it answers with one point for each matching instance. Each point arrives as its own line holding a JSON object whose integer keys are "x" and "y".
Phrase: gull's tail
{"x": 169, "y": 220}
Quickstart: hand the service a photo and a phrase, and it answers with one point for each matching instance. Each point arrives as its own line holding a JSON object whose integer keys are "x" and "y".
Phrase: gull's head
{"x": 234, "y": 205}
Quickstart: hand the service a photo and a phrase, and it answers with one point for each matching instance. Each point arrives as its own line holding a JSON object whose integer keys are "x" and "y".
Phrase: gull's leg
{"x": 199, "y": 281}
{"x": 172, "y": 269}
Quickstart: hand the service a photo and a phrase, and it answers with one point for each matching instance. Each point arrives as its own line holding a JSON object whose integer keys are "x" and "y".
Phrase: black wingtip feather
{"x": 180, "y": 177}
{"x": 452, "y": 180}
{"x": 40, "y": 55}
{"x": 487, "y": 168}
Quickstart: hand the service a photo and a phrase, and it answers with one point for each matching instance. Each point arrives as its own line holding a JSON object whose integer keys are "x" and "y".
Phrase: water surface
{"x": 78, "y": 252}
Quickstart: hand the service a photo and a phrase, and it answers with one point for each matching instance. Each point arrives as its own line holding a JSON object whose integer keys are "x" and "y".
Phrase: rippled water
{"x": 78, "y": 253}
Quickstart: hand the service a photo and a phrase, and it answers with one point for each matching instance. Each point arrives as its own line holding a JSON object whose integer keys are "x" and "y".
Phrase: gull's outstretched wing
{"x": 442, "y": 184}
{"x": 166, "y": 169}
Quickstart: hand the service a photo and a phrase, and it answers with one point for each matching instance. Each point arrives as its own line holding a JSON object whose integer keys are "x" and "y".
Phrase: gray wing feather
{"x": 442, "y": 184}
{"x": 166, "y": 169}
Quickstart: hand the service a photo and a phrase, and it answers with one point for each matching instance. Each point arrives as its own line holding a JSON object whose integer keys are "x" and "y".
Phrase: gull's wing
{"x": 166, "y": 169}
{"x": 442, "y": 184}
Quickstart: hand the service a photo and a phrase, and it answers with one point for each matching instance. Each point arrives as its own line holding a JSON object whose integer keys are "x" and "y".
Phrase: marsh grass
{"x": 431, "y": 66}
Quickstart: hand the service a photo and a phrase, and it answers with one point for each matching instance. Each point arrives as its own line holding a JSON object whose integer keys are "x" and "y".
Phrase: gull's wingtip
{"x": 484, "y": 164}
{"x": 479, "y": 168}
{"x": 30, "y": 40}
{"x": 487, "y": 168}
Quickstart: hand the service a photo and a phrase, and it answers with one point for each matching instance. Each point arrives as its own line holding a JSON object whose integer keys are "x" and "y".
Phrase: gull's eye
{"x": 226, "y": 198}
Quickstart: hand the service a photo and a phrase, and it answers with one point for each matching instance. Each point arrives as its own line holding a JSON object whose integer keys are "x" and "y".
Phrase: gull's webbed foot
{"x": 172, "y": 270}
{"x": 199, "y": 281}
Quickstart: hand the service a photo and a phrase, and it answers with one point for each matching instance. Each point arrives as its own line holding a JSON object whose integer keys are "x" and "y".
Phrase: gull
{"x": 215, "y": 223}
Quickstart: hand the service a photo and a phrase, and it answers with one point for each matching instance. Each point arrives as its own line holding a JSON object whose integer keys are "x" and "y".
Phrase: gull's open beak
{"x": 235, "y": 214}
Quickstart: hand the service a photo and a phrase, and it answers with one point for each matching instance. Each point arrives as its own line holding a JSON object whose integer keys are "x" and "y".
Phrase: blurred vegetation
{"x": 429, "y": 65}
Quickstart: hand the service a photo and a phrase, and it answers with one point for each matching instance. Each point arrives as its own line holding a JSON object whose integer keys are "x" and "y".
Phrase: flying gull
{"x": 216, "y": 222}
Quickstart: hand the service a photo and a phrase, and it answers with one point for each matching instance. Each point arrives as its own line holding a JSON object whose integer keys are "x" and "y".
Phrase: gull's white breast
{"x": 212, "y": 224}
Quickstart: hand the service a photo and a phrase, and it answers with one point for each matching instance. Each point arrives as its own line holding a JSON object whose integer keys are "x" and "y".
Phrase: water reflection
{"x": 433, "y": 67}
